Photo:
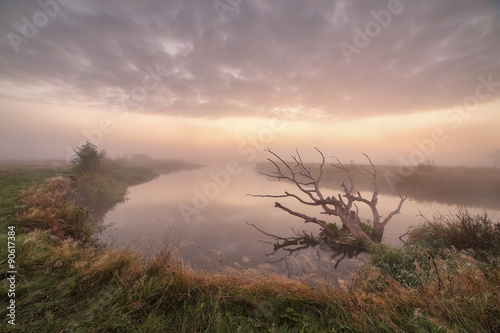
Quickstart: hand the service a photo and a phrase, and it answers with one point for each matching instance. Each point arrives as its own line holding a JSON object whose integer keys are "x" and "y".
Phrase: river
{"x": 205, "y": 214}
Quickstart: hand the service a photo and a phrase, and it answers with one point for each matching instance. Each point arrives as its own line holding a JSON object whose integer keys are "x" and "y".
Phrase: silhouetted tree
{"x": 342, "y": 205}
{"x": 88, "y": 159}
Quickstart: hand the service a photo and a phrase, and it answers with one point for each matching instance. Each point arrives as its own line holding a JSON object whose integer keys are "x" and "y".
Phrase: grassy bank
{"x": 69, "y": 287}
{"x": 446, "y": 279}
{"x": 15, "y": 178}
{"x": 68, "y": 205}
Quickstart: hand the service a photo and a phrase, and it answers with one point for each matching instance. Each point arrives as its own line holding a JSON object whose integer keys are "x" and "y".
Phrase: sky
{"x": 404, "y": 81}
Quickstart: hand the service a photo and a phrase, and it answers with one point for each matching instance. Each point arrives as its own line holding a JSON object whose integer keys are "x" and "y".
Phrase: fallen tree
{"x": 343, "y": 205}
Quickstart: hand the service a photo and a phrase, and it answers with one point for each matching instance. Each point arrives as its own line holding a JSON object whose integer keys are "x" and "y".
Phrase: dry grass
{"x": 53, "y": 205}
{"x": 80, "y": 289}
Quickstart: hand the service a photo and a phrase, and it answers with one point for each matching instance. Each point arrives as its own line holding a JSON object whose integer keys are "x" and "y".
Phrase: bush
{"x": 475, "y": 234}
{"x": 95, "y": 190}
{"x": 449, "y": 242}
{"x": 88, "y": 159}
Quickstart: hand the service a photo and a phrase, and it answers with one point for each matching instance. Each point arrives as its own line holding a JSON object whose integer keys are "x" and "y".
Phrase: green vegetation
{"x": 67, "y": 204}
{"x": 15, "y": 178}
{"x": 475, "y": 234}
{"x": 105, "y": 189}
{"x": 336, "y": 234}
{"x": 435, "y": 283}
{"x": 52, "y": 205}
{"x": 87, "y": 159}
{"x": 455, "y": 257}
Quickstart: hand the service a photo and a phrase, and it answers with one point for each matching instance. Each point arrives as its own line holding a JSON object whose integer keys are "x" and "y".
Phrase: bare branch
{"x": 292, "y": 245}
{"x": 306, "y": 218}
{"x": 276, "y": 175}
{"x": 340, "y": 205}
{"x": 396, "y": 211}
{"x": 282, "y": 161}
{"x": 286, "y": 195}
{"x": 276, "y": 165}
{"x": 321, "y": 164}
{"x": 303, "y": 170}
{"x": 342, "y": 167}
{"x": 374, "y": 173}
{"x": 265, "y": 233}
{"x": 361, "y": 199}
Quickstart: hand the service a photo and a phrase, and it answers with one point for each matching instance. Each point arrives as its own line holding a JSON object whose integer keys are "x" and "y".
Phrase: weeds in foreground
{"x": 478, "y": 235}
{"x": 452, "y": 264}
{"x": 74, "y": 288}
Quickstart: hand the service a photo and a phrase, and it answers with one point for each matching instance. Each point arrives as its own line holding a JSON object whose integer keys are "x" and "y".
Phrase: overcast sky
{"x": 193, "y": 79}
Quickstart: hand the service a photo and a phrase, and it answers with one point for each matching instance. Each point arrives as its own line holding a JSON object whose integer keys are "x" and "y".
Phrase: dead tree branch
{"x": 340, "y": 205}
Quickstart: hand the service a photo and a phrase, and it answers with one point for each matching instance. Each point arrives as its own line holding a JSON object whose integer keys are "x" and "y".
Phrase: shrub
{"x": 476, "y": 234}
{"x": 448, "y": 243}
{"x": 88, "y": 159}
{"x": 335, "y": 231}
{"x": 95, "y": 190}
{"x": 368, "y": 229}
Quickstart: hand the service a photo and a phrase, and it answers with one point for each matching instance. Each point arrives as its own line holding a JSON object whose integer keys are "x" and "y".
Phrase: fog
{"x": 388, "y": 140}
{"x": 405, "y": 82}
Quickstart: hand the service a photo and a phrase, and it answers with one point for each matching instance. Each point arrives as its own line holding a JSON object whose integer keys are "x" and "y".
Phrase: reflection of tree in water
{"x": 302, "y": 241}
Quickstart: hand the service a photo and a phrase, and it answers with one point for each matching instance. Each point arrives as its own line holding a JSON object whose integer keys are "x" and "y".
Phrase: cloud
{"x": 261, "y": 56}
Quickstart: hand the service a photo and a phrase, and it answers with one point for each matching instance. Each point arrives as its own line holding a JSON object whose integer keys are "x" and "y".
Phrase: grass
{"x": 429, "y": 285}
{"x": 452, "y": 264}
{"x": 15, "y": 178}
{"x": 477, "y": 234}
{"x": 54, "y": 205}
{"x": 74, "y": 288}
{"x": 68, "y": 205}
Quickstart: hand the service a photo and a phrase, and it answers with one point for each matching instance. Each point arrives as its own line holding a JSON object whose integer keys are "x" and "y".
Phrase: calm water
{"x": 214, "y": 230}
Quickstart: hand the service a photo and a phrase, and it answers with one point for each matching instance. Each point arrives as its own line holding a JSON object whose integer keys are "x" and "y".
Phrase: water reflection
{"x": 303, "y": 241}
{"x": 221, "y": 227}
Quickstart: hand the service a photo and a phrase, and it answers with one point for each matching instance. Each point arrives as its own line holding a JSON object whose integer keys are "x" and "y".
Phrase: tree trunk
{"x": 351, "y": 221}
{"x": 379, "y": 230}
{"x": 340, "y": 205}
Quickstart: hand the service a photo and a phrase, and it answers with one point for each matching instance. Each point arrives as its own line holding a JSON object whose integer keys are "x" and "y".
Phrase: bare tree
{"x": 342, "y": 205}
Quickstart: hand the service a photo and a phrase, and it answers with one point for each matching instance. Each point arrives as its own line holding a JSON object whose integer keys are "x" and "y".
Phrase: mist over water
{"x": 215, "y": 229}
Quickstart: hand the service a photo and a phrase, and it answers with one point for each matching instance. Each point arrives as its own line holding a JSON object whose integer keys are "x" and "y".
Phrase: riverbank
{"x": 65, "y": 284}
{"x": 40, "y": 197}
